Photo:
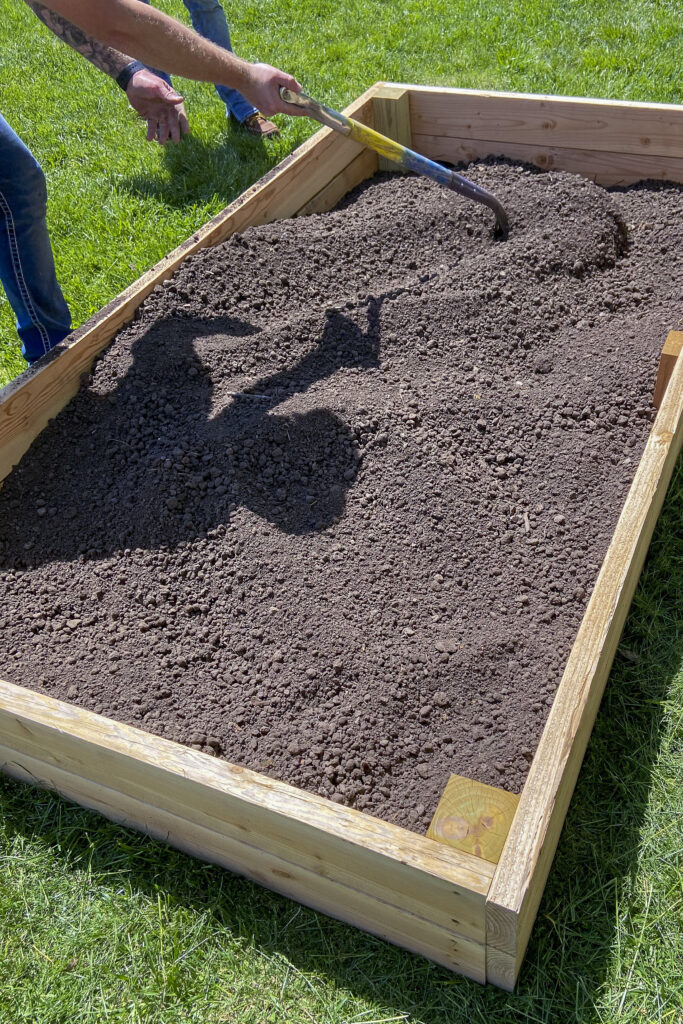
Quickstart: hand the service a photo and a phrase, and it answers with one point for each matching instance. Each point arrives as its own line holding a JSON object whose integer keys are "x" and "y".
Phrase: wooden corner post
{"x": 473, "y": 817}
{"x": 670, "y": 353}
{"x": 391, "y": 108}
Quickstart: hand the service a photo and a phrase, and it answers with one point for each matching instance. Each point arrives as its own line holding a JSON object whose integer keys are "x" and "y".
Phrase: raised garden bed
{"x": 454, "y": 905}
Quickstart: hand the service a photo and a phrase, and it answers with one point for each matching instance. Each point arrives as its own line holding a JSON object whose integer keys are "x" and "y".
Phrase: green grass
{"x": 100, "y": 925}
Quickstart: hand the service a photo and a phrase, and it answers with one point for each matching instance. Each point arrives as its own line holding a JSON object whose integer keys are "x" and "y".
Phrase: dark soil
{"x": 371, "y": 577}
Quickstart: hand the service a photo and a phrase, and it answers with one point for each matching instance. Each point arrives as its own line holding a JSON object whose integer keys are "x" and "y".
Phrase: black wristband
{"x": 124, "y": 76}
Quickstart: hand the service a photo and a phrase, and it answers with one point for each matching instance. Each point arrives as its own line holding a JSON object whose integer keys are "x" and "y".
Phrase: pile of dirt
{"x": 332, "y": 506}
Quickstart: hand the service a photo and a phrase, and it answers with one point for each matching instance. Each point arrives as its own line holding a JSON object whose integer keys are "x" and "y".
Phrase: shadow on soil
{"x": 568, "y": 958}
{"x": 153, "y": 451}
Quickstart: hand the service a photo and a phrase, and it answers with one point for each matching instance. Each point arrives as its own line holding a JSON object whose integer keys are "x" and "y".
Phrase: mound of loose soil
{"x": 367, "y": 570}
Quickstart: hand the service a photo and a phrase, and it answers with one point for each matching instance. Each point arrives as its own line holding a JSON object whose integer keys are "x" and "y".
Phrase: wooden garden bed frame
{"x": 468, "y": 913}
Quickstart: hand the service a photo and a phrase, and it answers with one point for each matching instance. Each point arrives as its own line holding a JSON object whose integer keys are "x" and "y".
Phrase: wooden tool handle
{"x": 325, "y": 115}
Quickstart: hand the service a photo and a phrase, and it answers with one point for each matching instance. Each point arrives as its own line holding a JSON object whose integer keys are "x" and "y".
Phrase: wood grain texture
{"x": 501, "y": 969}
{"x": 604, "y": 168}
{"x": 521, "y": 873}
{"x": 391, "y": 107}
{"x": 473, "y": 817}
{"x": 362, "y": 167}
{"x": 609, "y": 126}
{"x": 454, "y": 908}
{"x": 673, "y": 346}
{"x": 347, "y": 902}
{"x": 312, "y": 848}
{"x": 39, "y": 394}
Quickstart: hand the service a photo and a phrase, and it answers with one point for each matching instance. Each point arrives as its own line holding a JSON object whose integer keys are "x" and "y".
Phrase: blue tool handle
{"x": 392, "y": 150}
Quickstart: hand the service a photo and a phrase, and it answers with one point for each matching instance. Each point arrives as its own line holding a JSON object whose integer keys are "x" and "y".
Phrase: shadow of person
{"x": 166, "y": 452}
{"x": 196, "y": 170}
{"x": 294, "y": 468}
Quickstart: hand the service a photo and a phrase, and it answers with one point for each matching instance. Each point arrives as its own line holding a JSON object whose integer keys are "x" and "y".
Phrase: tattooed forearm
{"x": 103, "y": 57}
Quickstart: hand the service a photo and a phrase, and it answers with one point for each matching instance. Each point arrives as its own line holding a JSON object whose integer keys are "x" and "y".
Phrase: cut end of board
{"x": 473, "y": 817}
{"x": 670, "y": 353}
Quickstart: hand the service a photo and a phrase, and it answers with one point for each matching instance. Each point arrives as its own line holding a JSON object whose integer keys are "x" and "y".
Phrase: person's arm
{"x": 160, "y": 41}
{"x": 104, "y": 58}
{"x": 153, "y": 98}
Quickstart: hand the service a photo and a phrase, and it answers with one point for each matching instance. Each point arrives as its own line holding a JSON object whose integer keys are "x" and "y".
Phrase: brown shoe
{"x": 256, "y": 124}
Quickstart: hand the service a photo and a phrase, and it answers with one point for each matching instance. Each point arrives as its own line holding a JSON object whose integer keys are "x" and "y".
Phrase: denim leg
{"x": 27, "y": 268}
{"x": 208, "y": 19}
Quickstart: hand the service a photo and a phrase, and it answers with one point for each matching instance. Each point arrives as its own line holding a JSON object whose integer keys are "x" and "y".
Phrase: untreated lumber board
{"x": 346, "y": 903}
{"x": 362, "y": 167}
{"x": 673, "y": 346}
{"x": 607, "y": 126}
{"x": 602, "y": 167}
{"x": 523, "y": 868}
{"x": 457, "y": 909}
{"x": 36, "y": 396}
{"x": 344, "y": 862}
{"x": 391, "y": 106}
{"x": 473, "y": 817}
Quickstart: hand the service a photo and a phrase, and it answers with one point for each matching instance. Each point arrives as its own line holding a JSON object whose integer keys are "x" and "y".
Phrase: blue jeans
{"x": 208, "y": 19}
{"x": 27, "y": 269}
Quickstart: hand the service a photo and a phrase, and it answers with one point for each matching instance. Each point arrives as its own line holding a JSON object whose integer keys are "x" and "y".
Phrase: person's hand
{"x": 157, "y": 103}
{"x": 263, "y": 90}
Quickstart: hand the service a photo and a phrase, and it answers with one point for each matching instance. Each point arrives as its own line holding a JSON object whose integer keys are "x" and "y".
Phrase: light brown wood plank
{"x": 390, "y": 864}
{"x": 362, "y": 167}
{"x": 391, "y": 106}
{"x": 329, "y": 895}
{"x": 528, "y": 852}
{"x": 610, "y": 126}
{"x": 673, "y": 346}
{"x": 30, "y": 401}
{"x": 604, "y": 168}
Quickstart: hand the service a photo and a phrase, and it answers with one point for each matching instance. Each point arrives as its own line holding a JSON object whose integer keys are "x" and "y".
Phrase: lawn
{"x": 98, "y": 924}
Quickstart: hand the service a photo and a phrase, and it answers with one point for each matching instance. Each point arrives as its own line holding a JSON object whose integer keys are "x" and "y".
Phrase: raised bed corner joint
{"x": 407, "y": 158}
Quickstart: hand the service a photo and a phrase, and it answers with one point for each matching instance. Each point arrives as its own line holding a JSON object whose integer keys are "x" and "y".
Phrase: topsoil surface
{"x": 372, "y": 576}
